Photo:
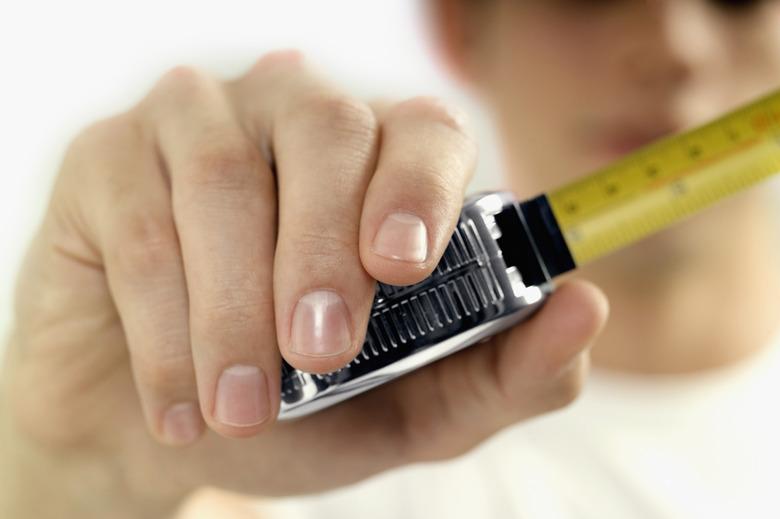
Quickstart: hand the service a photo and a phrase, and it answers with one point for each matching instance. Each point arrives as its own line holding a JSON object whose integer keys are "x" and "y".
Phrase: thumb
{"x": 535, "y": 367}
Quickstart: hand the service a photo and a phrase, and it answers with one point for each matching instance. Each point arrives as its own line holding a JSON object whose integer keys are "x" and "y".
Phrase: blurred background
{"x": 67, "y": 64}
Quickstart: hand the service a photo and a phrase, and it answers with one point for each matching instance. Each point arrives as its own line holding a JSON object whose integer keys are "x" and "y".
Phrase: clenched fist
{"x": 215, "y": 228}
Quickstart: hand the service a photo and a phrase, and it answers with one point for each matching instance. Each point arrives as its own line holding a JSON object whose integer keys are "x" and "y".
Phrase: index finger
{"x": 414, "y": 199}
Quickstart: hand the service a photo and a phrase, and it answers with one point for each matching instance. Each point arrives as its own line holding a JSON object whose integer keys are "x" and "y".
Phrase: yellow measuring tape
{"x": 666, "y": 181}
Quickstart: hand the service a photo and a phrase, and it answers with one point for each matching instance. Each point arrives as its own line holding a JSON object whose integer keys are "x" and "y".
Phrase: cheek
{"x": 556, "y": 50}
{"x": 753, "y": 65}
{"x": 768, "y": 38}
{"x": 538, "y": 62}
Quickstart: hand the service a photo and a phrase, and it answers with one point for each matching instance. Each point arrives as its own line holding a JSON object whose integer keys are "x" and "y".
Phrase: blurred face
{"x": 578, "y": 83}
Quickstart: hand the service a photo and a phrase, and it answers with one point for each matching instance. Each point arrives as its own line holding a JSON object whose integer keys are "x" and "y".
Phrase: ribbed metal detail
{"x": 291, "y": 379}
{"x": 426, "y": 312}
{"x": 461, "y": 285}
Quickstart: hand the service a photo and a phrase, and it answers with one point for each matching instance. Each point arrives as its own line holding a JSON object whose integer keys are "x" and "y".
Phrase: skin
{"x": 174, "y": 249}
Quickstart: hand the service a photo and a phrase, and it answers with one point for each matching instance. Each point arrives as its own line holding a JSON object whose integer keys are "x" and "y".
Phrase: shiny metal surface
{"x": 471, "y": 295}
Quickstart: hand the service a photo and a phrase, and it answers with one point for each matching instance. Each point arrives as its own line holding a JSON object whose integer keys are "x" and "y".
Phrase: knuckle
{"x": 182, "y": 80}
{"x": 231, "y": 165}
{"x": 437, "y": 110}
{"x": 178, "y": 87}
{"x": 424, "y": 438}
{"x": 339, "y": 115}
{"x": 501, "y": 390}
{"x": 566, "y": 389}
{"x": 272, "y": 74}
{"x": 428, "y": 432}
{"x": 91, "y": 164}
{"x": 233, "y": 308}
{"x": 426, "y": 183}
{"x": 326, "y": 248}
{"x": 277, "y": 59}
{"x": 146, "y": 245}
{"x": 97, "y": 141}
{"x": 425, "y": 176}
{"x": 104, "y": 130}
{"x": 162, "y": 373}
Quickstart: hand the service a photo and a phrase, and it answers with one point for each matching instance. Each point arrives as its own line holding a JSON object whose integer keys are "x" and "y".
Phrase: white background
{"x": 67, "y": 63}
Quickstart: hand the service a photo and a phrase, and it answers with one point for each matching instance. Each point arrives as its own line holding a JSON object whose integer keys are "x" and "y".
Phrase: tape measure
{"x": 668, "y": 180}
{"x": 499, "y": 265}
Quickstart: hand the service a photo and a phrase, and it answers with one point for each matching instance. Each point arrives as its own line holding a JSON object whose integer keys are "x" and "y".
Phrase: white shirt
{"x": 670, "y": 447}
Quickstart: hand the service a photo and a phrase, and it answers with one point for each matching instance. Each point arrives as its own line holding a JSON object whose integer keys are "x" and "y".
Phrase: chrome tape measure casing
{"x": 472, "y": 294}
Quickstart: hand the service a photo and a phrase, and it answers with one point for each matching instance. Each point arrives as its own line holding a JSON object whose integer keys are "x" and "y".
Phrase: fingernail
{"x": 181, "y": 424}
{"x": 320, "y": 325}
{"x": 402, "y": 236}
{"x": 242, "y": 396}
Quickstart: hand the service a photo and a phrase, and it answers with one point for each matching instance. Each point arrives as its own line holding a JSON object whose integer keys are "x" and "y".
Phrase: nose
{"x": 672, "y": 40}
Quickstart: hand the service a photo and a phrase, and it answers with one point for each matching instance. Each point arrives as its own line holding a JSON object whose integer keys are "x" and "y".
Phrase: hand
{"x": 217, "y": 227}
